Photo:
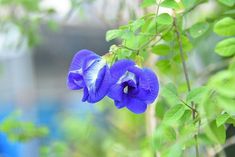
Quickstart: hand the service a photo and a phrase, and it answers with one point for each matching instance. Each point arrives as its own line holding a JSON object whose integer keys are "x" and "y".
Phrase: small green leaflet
{"x": 135, "y": 25}
{"x": 163, "y": 134}
{"x": 188, "y": 3}
{"x": 225, "y": 27}
{"x": 169, "y": 92}
{"x": 170, "y": 4}
{"x": 226, "y": 47}
{"x": 112, "y": 34}
{"x": 187, "y": 117}
{"x": 161, "y": 49}
{"x": 226, "y": 103}
{"x": 147, "y": 3}
{"x": 232, "y": 12}
{"x": 164, "y": 19}
{"x": 196, "y": 95}
{"x": 216, "y": 134}
{"x": 188, "y": 130}
{"x": 221, "y": 119}
{"x": 198, "y": 29}
{"x": 164, "y": 65}
{"x": 174, "y": 113}
{"x": 229, "y": 3}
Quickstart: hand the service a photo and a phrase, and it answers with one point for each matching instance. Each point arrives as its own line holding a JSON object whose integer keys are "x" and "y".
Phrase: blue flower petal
{"x": 116, "y": 92}
{"x": 85, "y": 94}
{"x": 119, "y": 104}
{"x": 135, "y": 105}
{"x": 80, "y": 57}
{"x": 153, "y": 84}
{"x": 120, "y": 67}
{"x": 75, "y": 81}
{"x": 148, "y": 84}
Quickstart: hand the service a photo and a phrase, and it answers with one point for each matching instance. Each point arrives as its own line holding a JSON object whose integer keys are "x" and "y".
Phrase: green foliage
{"x": 161, "y": 49}
{"x": 164, "y": 19}
{"x": 197, "y": 95}
{"x": 112, "y": 34}
{"x": 191, "y": 110}
{"x": 221, "y": 119}
{"x": 226, "y": 47}
{"x": 216, "y": 134}
{"x": 169, "y": 92}
{"x": 23, "y": 131}
{"x": 174, "y": 114}
{"x": 147, "y": 3}
{"x": 198, "y": 29}
{"x": 225, "y": 27}
{"x": 28, "y": 21}
{"x": 229, "y": 3}
{"x": 170, "y": 4}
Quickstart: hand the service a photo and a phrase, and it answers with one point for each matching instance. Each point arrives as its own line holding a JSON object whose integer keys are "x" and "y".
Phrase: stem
{"x": 193, "y": 109}
{"x": 186, "y": 78}
{"x": 193, "y": 7}
{"x": 128, "y": 48}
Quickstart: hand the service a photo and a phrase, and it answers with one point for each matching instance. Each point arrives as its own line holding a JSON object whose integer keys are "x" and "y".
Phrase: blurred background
{"x": 38, "y": 39}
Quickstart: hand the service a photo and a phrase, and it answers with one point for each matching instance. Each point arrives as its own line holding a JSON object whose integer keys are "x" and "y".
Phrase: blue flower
{"x": 134, "y": 87}
{"x": 88, "y": 71}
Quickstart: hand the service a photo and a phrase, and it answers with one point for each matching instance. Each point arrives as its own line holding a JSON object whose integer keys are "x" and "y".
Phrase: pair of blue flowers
{"x": 124, "y": 82}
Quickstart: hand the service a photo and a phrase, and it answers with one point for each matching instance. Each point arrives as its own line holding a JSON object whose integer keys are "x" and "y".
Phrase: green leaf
{"x": 169, "y": 36}
{"x": 169, "y": 133}
{"x": 186, "y": 44}
{"x": 226, "y": 47}
{"x": 198, "y": 29}
{"x": 221, "y": 119}
{"x": 160, "y": 109}
{"x": 163, "y": 134}
{"x": 226, "y": 103}
{"x": 229, "y": 3}
{"x": 164, "y": 65}
{"x": 147, "y": 3}
{"x": 230, "y": 12}
{"x": 187, "y": 117}
{"x": 169, "y": 92}
{"x": 161, "y": 49}
{"x": 231, "y": 120}
{"x": 137, "y": 24}
{"x": 170, "y": 4}
{"x": 223, "y": 83}
{"x": 112, "y": 34}
{"x": 216, "y": 134}
{"x": 175, "y": 151}
{"x": 196, "y": 95}
{"x": 188, "y": 3}
{"x": 225, "y": 26}
{"x": 164, "y": 19}
{"x": 188, "y": 130}
{"x": 174, "y": 113}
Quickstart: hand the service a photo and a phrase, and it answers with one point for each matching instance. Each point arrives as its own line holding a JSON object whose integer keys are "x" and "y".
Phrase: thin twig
{"x": 186, "y": 77}
{"x": 193, "y": 109}
{"x": 193, "y": 7}
{"x": 125, "y": 47}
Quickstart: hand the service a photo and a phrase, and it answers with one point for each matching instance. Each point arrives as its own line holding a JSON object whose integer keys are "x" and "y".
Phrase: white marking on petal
{"x": 125, "y": 90}
{"x": 93, "y": 72}
{"x": 78, "y": 71}
{"x": 126, "y": 77}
